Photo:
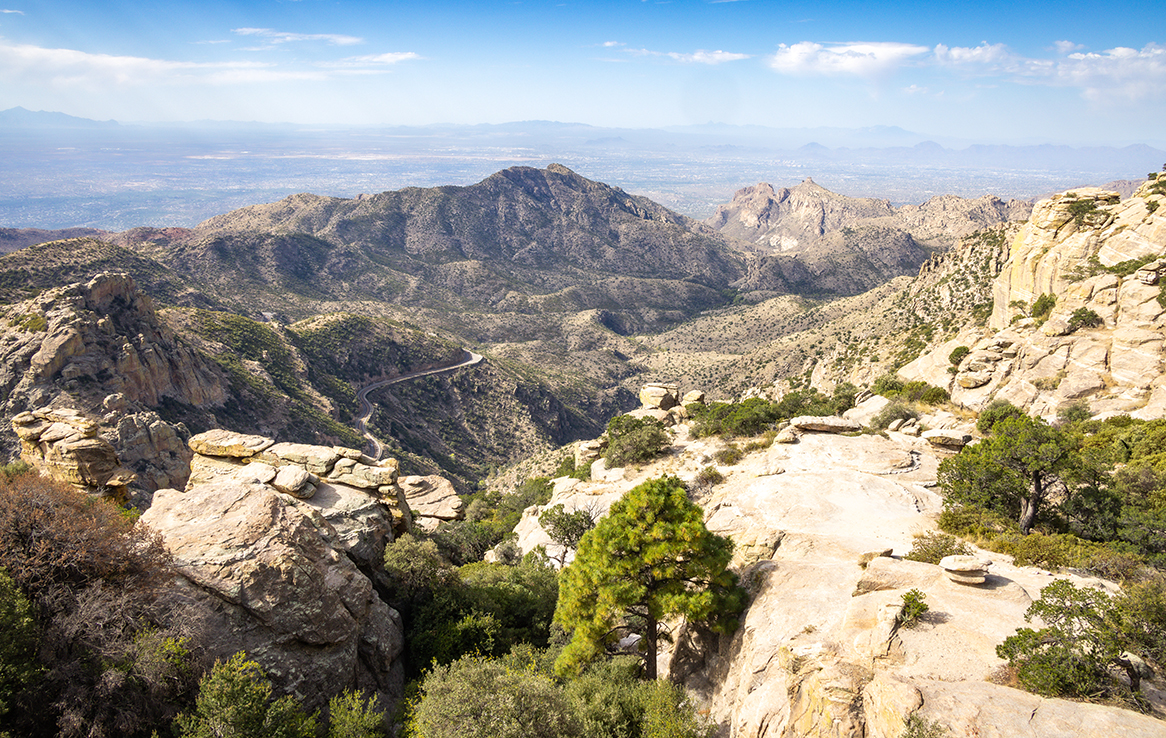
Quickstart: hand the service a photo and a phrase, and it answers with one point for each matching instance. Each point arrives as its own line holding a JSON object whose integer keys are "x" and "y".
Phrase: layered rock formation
{"x": 99, "y": 348}
{"x": 1102, "y": 342}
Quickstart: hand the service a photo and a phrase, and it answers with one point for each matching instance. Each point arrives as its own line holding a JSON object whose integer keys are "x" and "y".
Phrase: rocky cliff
{"x": 1099, "y": 340}
{"x": 794, "y": 219}
{"x": 98, "y": 349}
{"x": 283, "y": 543}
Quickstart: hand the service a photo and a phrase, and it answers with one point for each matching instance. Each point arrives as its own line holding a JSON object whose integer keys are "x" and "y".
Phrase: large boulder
{"x": 431, "y": 499}
{"x": 279, "y": 588}
{"x": 659, "y": 396}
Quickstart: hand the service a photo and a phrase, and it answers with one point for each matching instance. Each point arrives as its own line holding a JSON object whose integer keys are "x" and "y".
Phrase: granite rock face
{"x": 282, "y": 587}
{"x": 99, "y": 347}
{"x": 64, "y": 445}
{"x": 1103, "y": 342}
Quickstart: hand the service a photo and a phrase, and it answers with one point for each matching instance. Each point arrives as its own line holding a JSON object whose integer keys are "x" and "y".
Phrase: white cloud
{"x": 72, "y": 68}
{"x": 280, "y": 37}
{"x": 985, "y": 56}
{"x": 17, "y": 12}
{"x": 1066, "y": 47}
{"x": 610, "y": 44}
{"x": 860, "y": 59}
{"x": 1115, "y": 74}
{"x": 707, "y": 57}
{"x": 374, "y": 60}
{"x": 699, "y": 56}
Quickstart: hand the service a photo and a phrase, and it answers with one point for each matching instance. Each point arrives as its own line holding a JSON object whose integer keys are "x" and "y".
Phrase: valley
{"x": 413, "y": 378}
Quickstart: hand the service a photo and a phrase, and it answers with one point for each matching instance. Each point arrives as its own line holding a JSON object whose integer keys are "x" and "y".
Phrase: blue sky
{"x": 1014, "y": 72}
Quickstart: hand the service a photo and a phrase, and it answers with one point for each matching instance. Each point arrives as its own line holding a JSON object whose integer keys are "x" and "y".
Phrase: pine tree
{"x": 650, "y": 558}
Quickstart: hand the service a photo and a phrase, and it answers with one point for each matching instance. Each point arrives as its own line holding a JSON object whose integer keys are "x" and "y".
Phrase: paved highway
{"x": 366, "y": 406}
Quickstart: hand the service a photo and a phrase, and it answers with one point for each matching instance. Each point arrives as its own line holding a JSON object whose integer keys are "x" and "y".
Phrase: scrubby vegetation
{"x": 756, "y": 415}
{"x": 931, "y": 547}
{"x": 634, "y": 440}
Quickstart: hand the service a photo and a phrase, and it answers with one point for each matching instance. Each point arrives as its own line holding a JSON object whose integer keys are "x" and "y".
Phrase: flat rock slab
{"x": 825, "y": 424}
{"x": 220, "y": 442}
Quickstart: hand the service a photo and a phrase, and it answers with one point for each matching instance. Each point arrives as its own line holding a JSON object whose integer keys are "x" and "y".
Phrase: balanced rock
{"x": 294, "y": 480}
{"x": 825, "y": 424}
{"x": 965, "y": 569}
{"x": 432, "y": 500}
{"x": 316, "y": 459}
{"x": 661, "y": 396}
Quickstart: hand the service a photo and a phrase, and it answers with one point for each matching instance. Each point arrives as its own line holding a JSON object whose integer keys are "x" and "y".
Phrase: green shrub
{"x": 234, "y": 699}
{"x": 931, "y": 547}
{"x": 916, "y": 726}
{"x": 634, "y": 440}
{"x": 353, "y": 715}
{"x": 1042, "y": 306}
{"x": 958, "y": 354}
{"x": 888, "y": 386}
{"x": 892, "y": 412}
{"x": 1084, "y": 318}
{"x": 996, "y": 411}
{"x": 914, "y": 605}
{"x": 708, "y": 477}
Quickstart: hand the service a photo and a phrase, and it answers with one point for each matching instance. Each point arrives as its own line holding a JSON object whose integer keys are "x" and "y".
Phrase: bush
{"x": 708, "y": 477}
{"x": 958, "y": 354}
{"x": 1042, "y": 307}
{"x": 634, "y": 440}
{"x": 919, "y": 727}
{"x": 1084, "y": 318}
{"x": 996, "y": 411}
{"x": 892, "y": 412}
{"x": 914, "y": 605}
{"x": 352, "y": 715}
{"x": 931, "y": 547}
{"x": 479, "y": 697}
{"x": 234, "y": 699}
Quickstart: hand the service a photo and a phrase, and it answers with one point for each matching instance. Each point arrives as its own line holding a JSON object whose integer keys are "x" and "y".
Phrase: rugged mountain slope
{"x": 12, "y": 239}
{"x": 1097, "y": 262}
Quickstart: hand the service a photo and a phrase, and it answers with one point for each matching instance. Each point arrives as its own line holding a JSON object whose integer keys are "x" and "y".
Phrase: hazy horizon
{"x": 987, "y": 72}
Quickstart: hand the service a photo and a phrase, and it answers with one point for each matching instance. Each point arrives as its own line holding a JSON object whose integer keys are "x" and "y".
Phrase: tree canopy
{"x": 651, "y": 557}
{"x": 1013, "y": 471}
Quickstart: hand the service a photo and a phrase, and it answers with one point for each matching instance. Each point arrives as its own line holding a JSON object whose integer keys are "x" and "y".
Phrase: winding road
{"x": 366, "y": 406}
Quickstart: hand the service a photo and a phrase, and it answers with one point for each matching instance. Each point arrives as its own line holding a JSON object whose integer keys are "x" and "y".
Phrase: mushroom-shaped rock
{"x": 221, "y": 442}
{"x": 824, "y": 424}
{"x": 965, "y": 569}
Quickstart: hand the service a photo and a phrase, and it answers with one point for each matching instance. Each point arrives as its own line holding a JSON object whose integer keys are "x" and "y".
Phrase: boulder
{"x": 696, "y": 397}
{"x": 432, "y": 500}
{"x": 964, "y": 569}
{"x": 947, "y": 437}
{"x": 788, "y": 434}
{"x": 277, "y": 588}
{"x": 660, "y": 396}
{"x": 293, "y": 480}
{"x": 221, "y": 442}
{"x": 316, "y": 459}
{"x": 824, "y": 424}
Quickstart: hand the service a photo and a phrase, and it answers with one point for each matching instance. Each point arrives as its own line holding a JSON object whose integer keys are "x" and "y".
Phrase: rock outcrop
{"x": 64, "y": 445}
{"x": 282, "y": 584}
{"x": 1102, "y": 342}
{"x": 284, "y": 541}
{"x": 820, "y": 651}
{"x": 99, "y": 347}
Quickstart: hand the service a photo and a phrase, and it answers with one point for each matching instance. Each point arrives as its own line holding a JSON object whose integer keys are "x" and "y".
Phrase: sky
{"x": 992, "y": 72}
